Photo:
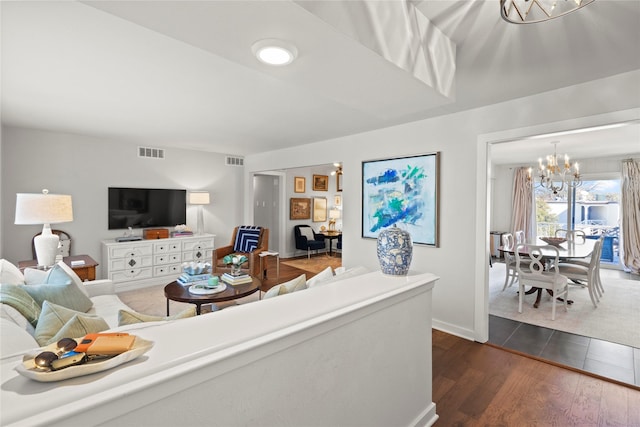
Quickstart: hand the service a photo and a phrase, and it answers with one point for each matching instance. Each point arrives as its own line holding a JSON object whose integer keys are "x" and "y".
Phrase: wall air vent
{"x": 234, "y": 161}
{"x": 152, "y": 153}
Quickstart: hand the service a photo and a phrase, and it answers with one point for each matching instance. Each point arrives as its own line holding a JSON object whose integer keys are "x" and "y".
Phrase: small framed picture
{"x": 337, "y": 200}
{"x": 319, "y": 209}
{"x": 320, "y": 182}
{"x": 300, "y": 208}
{"x": 299, "y": 184}
{"x": 339, "y": 182}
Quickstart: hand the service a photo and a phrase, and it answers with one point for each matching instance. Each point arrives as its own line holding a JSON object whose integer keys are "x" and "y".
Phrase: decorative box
{"x": 156, "y": 233}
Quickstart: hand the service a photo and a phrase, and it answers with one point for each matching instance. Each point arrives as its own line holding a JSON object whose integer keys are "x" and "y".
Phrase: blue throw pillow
{"x": 60, "y": 289}
{"x": 247, "y": 239}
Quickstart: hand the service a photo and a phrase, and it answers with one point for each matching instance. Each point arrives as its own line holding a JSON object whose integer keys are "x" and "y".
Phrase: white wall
{"x": 289, "y": 247}
{"x": 458, "y": 138}
{"x": 1, "y": 195}
{"x": 86, "y": 166}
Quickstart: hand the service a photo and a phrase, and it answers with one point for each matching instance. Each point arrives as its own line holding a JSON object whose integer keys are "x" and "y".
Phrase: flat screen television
{"x": 146, "y": 207}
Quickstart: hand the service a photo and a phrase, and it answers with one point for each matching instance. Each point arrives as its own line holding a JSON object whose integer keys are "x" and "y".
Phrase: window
{"x": 595, "y": 210}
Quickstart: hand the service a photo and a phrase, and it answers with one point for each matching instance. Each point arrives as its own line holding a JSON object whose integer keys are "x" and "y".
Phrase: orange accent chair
{"x": 234, "y": 248}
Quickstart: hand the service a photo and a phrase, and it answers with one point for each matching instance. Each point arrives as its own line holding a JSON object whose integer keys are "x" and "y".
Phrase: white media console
{"x": 132, "y": 265}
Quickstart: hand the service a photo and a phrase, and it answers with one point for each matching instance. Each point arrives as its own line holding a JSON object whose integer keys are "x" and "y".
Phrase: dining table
{"x": 580, "y": 249}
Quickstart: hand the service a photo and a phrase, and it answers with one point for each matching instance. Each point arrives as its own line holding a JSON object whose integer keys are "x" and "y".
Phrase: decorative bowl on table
{"x": 554, "y": 241}
{"x": 193, "y": 268}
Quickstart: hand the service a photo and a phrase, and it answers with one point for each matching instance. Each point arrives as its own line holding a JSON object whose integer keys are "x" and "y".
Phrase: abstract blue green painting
{"x": 403, "y": 192}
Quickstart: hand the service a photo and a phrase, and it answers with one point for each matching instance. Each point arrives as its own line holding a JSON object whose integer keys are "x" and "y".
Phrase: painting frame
{"x": 405, "y": 192}
{"x": 320, "y": 182}
{"x": 300, "y": 208}
{"x": 299, "y": 184}
{"x": 339, "y": 181}
{"x": 319, "y": 209}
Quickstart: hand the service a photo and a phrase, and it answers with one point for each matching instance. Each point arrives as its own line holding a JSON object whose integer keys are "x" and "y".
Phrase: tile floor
{"x": 607, "y": 359}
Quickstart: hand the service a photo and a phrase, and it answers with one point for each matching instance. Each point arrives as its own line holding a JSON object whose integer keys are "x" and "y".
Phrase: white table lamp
{"x": 44, "y": 209}
{"x": 199, "y": 198}
{"x": 334, "y": 214}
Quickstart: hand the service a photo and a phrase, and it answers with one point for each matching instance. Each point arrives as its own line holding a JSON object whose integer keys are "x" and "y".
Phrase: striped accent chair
{"x": 249, "y": 241}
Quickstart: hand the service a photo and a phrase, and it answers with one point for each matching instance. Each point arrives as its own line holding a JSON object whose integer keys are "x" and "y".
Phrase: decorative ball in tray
{"x": 555, "y": 241}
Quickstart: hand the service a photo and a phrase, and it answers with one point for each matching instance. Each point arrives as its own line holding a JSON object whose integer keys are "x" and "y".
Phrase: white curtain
{"x": 523, "y": 215}
{"x": 630, "y": 250}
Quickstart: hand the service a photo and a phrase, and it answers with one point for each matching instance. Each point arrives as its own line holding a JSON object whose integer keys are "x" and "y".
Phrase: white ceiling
{"x": 169, "y": 73}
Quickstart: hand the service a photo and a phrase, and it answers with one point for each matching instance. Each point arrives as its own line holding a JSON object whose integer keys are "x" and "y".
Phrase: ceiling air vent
{"x": 234, "y": 161}
{"x": 153, "y": 153}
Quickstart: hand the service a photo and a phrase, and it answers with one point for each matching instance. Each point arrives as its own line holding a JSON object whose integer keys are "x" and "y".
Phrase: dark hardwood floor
{"x": 480, "y": 385}
{"x": 286, "y": 272}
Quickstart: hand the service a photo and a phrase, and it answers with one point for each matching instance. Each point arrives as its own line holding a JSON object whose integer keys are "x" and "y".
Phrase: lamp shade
{"x": 334, "y": 213}
{"x": 199, "y": 198}
{"x": 43, "y": 208}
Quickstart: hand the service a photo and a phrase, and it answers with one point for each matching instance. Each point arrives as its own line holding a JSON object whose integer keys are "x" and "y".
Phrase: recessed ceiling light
{"x": 274, "y": 52}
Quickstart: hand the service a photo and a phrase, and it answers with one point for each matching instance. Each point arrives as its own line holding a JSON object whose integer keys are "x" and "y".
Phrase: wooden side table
{"x": 275, "y": 254}
{"x": 86, "y": 271}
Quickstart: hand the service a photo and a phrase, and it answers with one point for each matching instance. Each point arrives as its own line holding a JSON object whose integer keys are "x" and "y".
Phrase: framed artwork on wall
{"x": 319, "y": 209}
{"x": 402, "y": 191}
{"x": 320, "y": 182}
{"x": 337, "y": 200}
{"x": 339, "y": 181}
{"x": 300, "y": 208}
{"x": 299, "y": 184}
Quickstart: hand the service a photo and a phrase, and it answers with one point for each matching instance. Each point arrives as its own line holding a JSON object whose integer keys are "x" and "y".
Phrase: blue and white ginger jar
{"x": 395, "y": 250}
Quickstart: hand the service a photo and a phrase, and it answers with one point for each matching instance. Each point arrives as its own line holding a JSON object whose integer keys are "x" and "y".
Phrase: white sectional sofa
{"x": 354, "y": 351}
{"x": 18, "y": 333}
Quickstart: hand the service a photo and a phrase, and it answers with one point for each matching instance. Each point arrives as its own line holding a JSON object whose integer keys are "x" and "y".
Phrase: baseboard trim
{"x": 467, "y": 334}
{"x": 428, "y": 417}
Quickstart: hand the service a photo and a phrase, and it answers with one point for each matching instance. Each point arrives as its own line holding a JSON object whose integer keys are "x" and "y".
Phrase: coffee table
{"x": 174, "y": 291}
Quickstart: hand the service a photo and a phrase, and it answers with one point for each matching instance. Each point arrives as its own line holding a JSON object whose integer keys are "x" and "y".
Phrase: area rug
{"x": 314, "y": 264}
{"x": 151, "y": 301}
{"x": 616, "y": 319}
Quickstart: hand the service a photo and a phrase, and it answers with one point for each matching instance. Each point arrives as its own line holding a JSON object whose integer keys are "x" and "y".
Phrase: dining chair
{"x": 586, "y": 272}
{"x": 511, "y": 276}
{"x": 520, "y": 237}
{"x": 541, "y": 272}
{"x": 575, "y": 236}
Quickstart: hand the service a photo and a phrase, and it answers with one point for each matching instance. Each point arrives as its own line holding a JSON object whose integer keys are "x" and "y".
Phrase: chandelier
{"x": 555, "y": 176}
{"x": 530, "y": 11}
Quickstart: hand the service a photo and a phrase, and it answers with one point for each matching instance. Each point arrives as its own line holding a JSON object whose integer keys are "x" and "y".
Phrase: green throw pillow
{"x": 60, "y": 289}
{"x": 18, "y": 298}
{"x": 297, "y": 284}
{"x": 126, "y": 317}
{"x": 80, "y": 325}
{"x": 55, "y": 318}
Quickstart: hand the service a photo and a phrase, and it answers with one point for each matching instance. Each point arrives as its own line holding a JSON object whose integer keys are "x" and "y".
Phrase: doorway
{"x": 267, "y": 207}
{"x": 504, "y": 152}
